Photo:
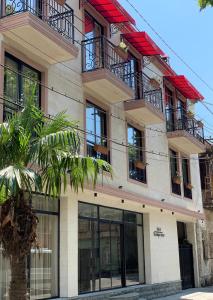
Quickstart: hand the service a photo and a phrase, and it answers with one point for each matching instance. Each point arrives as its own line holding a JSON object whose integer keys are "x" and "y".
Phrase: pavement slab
{"x": 192, "y": 294}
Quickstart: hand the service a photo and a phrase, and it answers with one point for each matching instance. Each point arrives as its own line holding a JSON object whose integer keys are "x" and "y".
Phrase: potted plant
{"x": 140, "y": 164}
{"x": 177, "y": 178}
{"x": 189, "y": 186}
{"x": 190, "y": 114}
{"x": 154, "y": 83}
{"x": 122, "y": 50}
{"x": 101, "y": 149}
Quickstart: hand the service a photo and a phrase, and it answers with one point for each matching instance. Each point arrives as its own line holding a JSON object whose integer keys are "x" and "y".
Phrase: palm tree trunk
{"x": 18, "y": 285}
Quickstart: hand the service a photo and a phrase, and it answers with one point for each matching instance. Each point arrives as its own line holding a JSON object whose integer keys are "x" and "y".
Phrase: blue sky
{"x": 190, "y": 33}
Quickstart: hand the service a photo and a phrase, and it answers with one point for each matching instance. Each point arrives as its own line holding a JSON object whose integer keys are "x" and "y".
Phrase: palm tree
{"x": 36, "y": 155}
{"x": 204, "y": 3}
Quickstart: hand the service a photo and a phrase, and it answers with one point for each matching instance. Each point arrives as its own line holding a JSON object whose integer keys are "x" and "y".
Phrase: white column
{"x": 69, "y": 246}
{"x": 147, "y": 248}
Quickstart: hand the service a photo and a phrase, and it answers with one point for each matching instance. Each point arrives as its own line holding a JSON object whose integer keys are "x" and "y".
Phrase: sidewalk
{"x": 192, "y": 294}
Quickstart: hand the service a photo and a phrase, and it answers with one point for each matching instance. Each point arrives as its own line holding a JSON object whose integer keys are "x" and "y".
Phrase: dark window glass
{"x": 87, "y": 210}
{"x": 186, "y": 178}
{"x": 96, "y": 127}
{"x": 88, "y": 275}
{"x": 137, "y": 165}
{"x": 175, "y": 174}
{"x": 21, "y": 82}
{"x": 110, "y": 249}
{"x": 110, "y": 214}
{"x": 170, "y": 110}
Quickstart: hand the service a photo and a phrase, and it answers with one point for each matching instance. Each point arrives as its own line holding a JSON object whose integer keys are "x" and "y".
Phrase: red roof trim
{"x": 185, "y": 87}
{"x": 112, "y": 11}
{"x": 143, "y": 43}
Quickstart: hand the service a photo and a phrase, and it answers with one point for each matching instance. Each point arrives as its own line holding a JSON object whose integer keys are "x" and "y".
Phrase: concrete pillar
{"x": 147, "y": 248}
{"x": 69, "y": 246}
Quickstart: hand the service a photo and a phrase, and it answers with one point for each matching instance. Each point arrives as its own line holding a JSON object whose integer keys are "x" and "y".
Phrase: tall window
{"x": 180, "y": 174}
{"x": 110, "y": 248}
{"x": 96, "y": 127}
{"x": 175, "y": 172}
{"x": 21, "y": 82}
{"x": 187, "y": 187}
{"x": 137, "y": 165}
{"x": 170, "y": 109}
{"x": 42, "y": 262}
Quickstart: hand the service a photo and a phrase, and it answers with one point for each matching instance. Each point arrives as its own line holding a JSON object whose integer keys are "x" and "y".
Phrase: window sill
{"x": 138, "y": 182}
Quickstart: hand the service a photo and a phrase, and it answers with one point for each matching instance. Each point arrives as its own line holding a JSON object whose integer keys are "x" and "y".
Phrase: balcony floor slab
{"x": 27, "y": 31}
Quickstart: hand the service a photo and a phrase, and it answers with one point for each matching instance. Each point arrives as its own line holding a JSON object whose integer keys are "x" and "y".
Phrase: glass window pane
{"x": 88, "y": 260}
{"x": 131, "y": 254}
{"x": 105, "y": 256}
{"x": 110, "y": 214}
{"x": 44, "y": 261}
{"x": 30, "y": 86}
{"x": 130, "y": 216}
{"x": 87, "y": 210}
{"x": 40, "y": 202}
{"x": 11, "y": 86}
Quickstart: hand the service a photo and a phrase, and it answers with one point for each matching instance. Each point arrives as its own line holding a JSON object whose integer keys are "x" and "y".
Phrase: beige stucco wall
{"x": 161, "y": 254}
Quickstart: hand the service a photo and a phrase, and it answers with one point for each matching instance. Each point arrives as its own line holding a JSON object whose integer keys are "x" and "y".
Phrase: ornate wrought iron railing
{"x": 179, "y": 119}
{"x": 59, "y": 17}
{"x": 98, "y": 53}
{"x": 151, "y": 94}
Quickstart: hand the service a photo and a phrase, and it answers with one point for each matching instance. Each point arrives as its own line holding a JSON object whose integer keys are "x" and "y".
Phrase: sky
{"x": 189, "y": 32}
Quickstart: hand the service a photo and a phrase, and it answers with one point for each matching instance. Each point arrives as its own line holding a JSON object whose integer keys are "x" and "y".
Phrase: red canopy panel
{"x": 112, "y": 11}
{"x": 142, "y": 42}
{"x": 185, "y": 87}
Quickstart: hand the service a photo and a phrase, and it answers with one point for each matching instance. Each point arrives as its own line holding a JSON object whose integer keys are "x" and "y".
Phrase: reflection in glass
{"x": 88, "y": 256}
{"x": 43, "y": 262}
{"x": 110, "y": 248}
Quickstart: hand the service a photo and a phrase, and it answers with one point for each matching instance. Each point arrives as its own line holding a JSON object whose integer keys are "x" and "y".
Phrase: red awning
{"x": 185, "y": 87}
{"x": 142, "y": 42}
{"x": 112, "y": 11}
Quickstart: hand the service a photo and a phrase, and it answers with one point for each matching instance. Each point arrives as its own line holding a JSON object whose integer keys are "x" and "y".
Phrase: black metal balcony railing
{"x": 178, "y": 119}
{"x": 98, "y": 53}
{"x": 150, "y": 94}
{"x": 59, "y": 17}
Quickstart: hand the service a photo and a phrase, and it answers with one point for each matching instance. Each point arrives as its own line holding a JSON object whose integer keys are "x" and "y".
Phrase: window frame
{"x": 143, "y": 154}
{"x": 180, "y": 157}
{"x": 20, "y": 64}
{"x": 105, "y": 111}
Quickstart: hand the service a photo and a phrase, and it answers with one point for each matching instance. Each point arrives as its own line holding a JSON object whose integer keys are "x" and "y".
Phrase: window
{"x": 20, "y": 83}
{"x": 180, "y": 174}
{"x": 42, "y": 263}
{"x": 175, "y": 172}
{"x": 187, "y": 187}
{"x": 96, "y": 127}
{"x": 137, "y": 165}
{"x": 110, "y": 245}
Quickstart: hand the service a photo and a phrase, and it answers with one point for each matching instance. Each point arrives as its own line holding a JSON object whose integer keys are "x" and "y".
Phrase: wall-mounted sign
{"x": 158, "y": 232}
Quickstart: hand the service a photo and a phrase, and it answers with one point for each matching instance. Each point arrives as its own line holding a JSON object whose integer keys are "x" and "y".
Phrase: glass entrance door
{"x": 110, "y": 248}
{"x": 110, "y": 255}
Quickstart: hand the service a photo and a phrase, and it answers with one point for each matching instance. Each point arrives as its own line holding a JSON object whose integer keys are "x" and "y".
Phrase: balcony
{"x": 184, "y": 131}
{"x": 105, "y": 71}
{"x": 148, "y": 106}
{"x": 43, "y": 30}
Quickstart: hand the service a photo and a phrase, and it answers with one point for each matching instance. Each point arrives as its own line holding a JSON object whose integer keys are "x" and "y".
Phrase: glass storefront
{"x": 43, "y": 262}
{"x": 110, "y": 248}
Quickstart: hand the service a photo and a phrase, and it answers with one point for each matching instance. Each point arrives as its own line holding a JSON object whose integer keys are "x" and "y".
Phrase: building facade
{"x": 139, "y": 228}
{"x": 205, "y": 228}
